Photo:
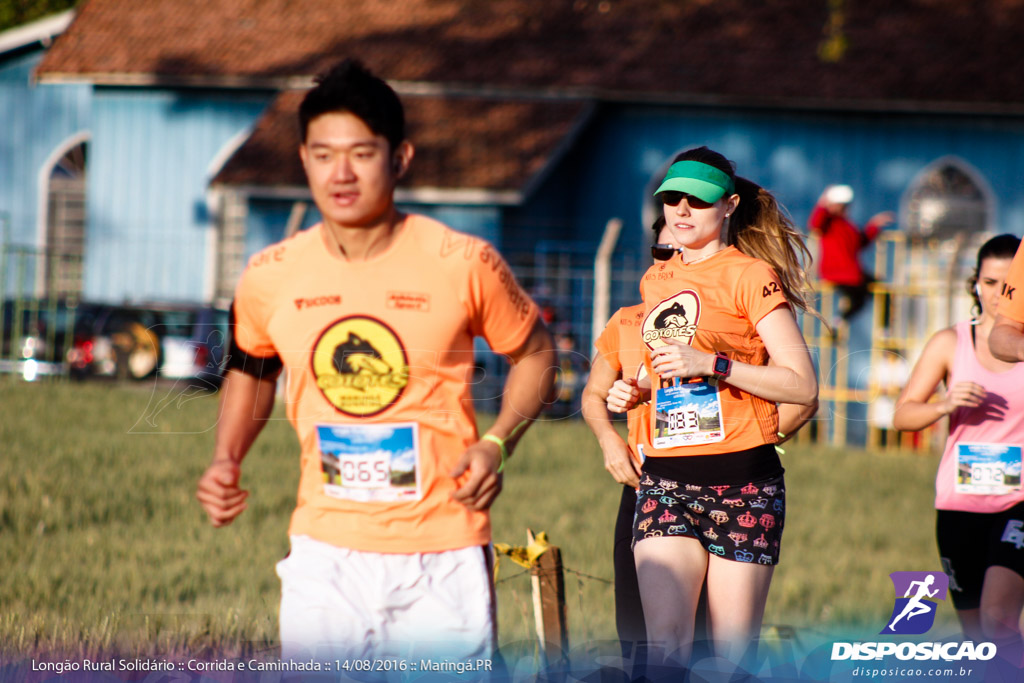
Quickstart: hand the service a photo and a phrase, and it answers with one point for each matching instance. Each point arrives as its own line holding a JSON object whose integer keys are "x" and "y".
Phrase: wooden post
{"x": 548, "y": 583}
{"x": 602, "y": 279}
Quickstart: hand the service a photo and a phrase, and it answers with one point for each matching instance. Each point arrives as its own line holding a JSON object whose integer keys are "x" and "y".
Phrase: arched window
{"x": 65, "y": 224}
{"x": 949, "y": 199}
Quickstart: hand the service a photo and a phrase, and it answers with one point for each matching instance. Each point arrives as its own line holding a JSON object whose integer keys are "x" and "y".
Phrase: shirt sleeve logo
{"x": 675, "y": 317}
{"x": 360, "y": 366}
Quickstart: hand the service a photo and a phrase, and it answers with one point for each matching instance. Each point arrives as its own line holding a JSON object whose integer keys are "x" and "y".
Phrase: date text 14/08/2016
{"x": 195, "y": 665}
{"x": 458, "y": 667}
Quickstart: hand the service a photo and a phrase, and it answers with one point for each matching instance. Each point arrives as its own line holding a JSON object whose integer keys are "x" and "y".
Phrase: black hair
{"x": 1000, "y": 246}
{"x": 349, "y": 86}
{"x": 708, "y": 156}
{"x": 656, "y": 227}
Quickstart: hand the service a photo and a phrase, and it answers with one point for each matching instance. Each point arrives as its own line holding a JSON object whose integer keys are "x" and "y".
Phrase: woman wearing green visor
{"x": 723, "y": 348}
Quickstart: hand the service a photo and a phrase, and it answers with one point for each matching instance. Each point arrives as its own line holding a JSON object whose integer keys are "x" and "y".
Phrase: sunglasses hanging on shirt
{"x": 663, "y": 252}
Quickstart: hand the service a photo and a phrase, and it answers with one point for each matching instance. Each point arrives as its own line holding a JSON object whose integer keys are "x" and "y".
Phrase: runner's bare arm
{"x": 914, "y": 410}
{"x": 1006, "y": 340}
{"x": 793, "y": 416}
{"x": 617, "y": 459}
{"x": 245, "y": 405}
{"x": 528, "y": 388}
{"x": 789, "y": 379}
{"x": 626, "y": 394}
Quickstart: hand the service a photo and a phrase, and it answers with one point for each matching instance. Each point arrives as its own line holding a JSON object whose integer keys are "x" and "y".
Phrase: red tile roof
{"x": 493, "y": 145}
{"x": 946, "y": 54}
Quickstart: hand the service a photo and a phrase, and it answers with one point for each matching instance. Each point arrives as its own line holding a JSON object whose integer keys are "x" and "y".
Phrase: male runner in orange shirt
{"x": 1006, "y": 341}
{"x": 373, "y": 314}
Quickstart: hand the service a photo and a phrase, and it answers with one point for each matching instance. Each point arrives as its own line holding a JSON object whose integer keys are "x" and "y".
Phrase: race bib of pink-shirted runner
{"x": 370, "y": 463}
{"x": 989, "y": 469}
{"x": 687, "y": 414}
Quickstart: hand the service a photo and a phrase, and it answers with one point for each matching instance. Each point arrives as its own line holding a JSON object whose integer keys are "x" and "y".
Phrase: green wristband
{"x": 501, "y": 444}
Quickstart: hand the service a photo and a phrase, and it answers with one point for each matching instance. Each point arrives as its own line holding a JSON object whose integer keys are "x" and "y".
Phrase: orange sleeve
{"x": 759, "y": 292}
{"x": 643, "y": 281}
{"x": 500, "y": 311}
{"x": 607, "y": 343}
{"x": 1011, "y": 301}
{"x": 251, "y": 309}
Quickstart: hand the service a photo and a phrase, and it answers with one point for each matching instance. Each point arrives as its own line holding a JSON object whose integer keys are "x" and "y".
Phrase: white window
{"x": 65, "y": 224}
{"x": 949, "y": 199}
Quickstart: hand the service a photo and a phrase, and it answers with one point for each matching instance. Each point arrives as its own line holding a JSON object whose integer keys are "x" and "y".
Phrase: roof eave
{"x": 566, "y": 144}
{"x": 42, "y": 31}
{"x": 797, "y": 103}
{"x": 403, "y": 195}
{"x": 464, "y": 195}
{"x": 154, "y": 80}
{"x": 298, "y": 82}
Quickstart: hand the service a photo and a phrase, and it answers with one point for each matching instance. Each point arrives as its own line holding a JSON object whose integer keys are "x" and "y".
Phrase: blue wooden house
{"x": 42, "y": 155}
{"x": 535, "y": 123}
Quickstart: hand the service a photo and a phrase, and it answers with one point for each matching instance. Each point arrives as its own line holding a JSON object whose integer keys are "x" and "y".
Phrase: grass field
{"x": 105, "y": 549}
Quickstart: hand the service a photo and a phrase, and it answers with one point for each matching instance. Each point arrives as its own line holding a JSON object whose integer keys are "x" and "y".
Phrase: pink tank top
{"x": 970, "y": 427}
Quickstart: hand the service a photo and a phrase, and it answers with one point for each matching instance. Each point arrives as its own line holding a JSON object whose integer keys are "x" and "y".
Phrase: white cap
{"x": 839, "y": 194}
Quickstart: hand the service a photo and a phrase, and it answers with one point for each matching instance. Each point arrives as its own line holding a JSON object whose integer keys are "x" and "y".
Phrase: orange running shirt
{"x": 379, "y": 357}
{"x": 1011, "y": 301}
{"x": 623, "y": 349}
{"x": 714, "y": 305}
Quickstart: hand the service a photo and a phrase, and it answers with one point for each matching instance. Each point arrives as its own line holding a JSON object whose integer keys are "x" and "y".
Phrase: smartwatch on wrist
{"x": 721, "y": 367}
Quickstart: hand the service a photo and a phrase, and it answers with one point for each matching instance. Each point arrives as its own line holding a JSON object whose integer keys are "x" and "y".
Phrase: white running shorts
{"x": 338, "y": 603}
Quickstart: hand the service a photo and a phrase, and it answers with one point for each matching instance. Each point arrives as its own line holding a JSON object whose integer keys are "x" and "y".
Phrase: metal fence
{"x": 38, "y": 291}
{"x": 861, "y": 366}
{"x": 919, "y": 291}
{"x": 560, "y": 278}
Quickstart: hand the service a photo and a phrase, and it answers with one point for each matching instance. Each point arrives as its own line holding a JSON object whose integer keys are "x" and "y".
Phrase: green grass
{"x": 105, "y": 549}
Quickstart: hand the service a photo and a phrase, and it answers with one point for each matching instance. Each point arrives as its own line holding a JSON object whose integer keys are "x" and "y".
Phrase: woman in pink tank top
{"x": 978, "y": 494}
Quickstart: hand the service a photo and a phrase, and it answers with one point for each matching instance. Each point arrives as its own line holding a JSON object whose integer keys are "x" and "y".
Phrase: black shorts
{"x": 971, "y": 542}
{"x": 741, "y": 523}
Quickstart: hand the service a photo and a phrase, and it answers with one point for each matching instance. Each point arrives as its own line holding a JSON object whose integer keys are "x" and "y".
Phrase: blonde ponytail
{"x": 760, "y": 227}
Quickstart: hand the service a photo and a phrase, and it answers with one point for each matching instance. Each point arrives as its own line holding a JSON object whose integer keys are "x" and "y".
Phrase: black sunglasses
{"x": 663, "y": 252}
{"x": 672, "y": 198}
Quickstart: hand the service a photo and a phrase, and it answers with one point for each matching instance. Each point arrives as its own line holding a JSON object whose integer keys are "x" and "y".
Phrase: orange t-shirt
{"x": 714, "y": 305}
{"x": 622, "y": 348}
{"x": 379, "y": 357}
{"x": 1011, "y": 301}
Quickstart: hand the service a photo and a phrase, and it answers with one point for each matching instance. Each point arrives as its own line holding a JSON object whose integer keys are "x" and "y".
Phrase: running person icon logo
{"x": 914, "y": 612}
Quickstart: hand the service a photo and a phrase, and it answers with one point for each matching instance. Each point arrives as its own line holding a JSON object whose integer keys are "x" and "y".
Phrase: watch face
{"x": 721, "y": 365}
